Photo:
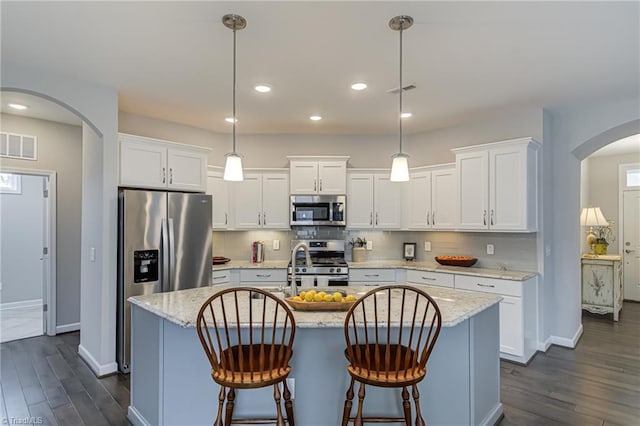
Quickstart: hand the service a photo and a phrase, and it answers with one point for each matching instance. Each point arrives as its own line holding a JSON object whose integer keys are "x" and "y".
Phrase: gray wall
{"x": 21, "y": 233}
{"x": 603, "y": 190}
{"x": 59, "y": 150}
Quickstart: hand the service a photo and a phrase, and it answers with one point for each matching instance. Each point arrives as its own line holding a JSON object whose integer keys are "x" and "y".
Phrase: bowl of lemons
{"x": 313, "y": 300}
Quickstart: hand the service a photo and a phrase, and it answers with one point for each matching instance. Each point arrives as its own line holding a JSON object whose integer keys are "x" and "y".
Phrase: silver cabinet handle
{"x": 491, "y": 216}
{"x": 370, "y": 218}
{"x": 376, "y": 218}
{"x": 484, "y": 217}
{"x": 259, "y": 218}
{"x": 263, "y": 275}
{"x": 264, "y": 218}
{"x": 225, "y": 218}
{"x": 433, "y": 218}
{"x": 221, "y": 277}
{"x": 628, "y": 251}
{"x": 171, "y": 175}
{"x": 320, "y": 184}
{"x": 428, "y": 223}
{"x": 315, "y": 185}
{"x": 371, "y": 275}
{"x": 428, "y": 278}
{"x": 164, "y": 175}
{"x": 485, "y": 285}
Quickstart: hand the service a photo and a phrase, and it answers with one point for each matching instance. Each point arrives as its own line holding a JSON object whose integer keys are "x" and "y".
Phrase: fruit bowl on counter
{"x": 220, "y": 260}
{"x": 321, "y": 301}
{"x": 456, "y": 260}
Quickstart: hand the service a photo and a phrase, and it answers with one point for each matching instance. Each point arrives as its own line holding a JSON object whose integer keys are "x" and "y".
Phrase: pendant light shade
{"x": 233, "y": 165}
{"x": 400, "y": 164}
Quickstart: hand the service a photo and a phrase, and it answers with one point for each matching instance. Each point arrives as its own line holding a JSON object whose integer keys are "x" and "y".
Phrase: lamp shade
{"x": 233, "y": 168}
{"x": 592, "y": 216}
{"x": 400, "y": 168}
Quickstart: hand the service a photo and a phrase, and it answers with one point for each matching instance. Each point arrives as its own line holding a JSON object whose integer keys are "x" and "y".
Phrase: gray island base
{"x": 171, "y": 383}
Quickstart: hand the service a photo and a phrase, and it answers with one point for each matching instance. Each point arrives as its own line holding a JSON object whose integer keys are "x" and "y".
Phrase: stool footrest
{"x": 256, "y": 421}
{"x": 380, "y": 419}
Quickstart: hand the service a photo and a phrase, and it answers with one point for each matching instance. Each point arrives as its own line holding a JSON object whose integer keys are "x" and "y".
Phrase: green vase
{"x": 600, "y": 248}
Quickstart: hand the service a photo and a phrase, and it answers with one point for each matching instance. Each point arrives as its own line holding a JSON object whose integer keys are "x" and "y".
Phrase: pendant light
{"x": 400, "y": 164}
{"x": 233, "y": 166}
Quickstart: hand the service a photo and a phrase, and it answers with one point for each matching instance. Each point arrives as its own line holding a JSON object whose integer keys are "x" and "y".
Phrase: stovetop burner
{"x": 327, "y": 258}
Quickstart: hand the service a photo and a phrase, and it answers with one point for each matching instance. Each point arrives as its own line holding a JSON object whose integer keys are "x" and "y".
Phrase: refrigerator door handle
{"x": 172, "y": 256}
{"x": 164, "y": 235}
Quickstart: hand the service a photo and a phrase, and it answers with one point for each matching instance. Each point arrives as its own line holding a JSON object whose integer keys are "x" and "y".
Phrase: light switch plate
{"x": 369, "y": 245}
{"x": 276, "y": 244}
{"x": 427, "y": 246}
{"x": 490, "y": 249}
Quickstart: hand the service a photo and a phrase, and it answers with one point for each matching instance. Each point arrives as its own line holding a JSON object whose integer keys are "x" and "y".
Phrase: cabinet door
{"x": 187, "y": 170}
{"x": 304, "y": 177}
{"x": 275, "y": 200}
{"x": 508, "y": 188}
{"x": 511, "y": 326}
{"x": 142, "y": 164}
{"x": 332, "y": 177}
{"x": 247, "y": 201}
{"x": 387, "y": 201}
{"x": 473, "y": 189}
{"x": 443, "y": 199}
{"x": 360, "y": 201}
{"x": 419, "y": 200}
{"x": 597, "y": 283}
{"x": 217, "y": 187}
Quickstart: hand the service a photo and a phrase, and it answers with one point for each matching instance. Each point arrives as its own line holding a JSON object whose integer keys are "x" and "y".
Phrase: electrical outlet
{"x": 276, "y": 244}
{"x": 291, "y": 384}
{"x": 547, "y": 250}
{"x": 92, "y": 254}
{"x": 427, "y": 246}
{"x": 369, "y": 245}
{"x": 490, "y": 249}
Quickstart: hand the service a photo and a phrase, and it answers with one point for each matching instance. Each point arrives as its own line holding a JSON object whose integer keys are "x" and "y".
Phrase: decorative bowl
{"x": 456, "y": 260}
{"x": 220, "y": 260}
{"x": 319, "y": 306}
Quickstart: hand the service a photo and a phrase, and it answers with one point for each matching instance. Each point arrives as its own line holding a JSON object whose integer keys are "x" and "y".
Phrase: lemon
{"x": 337, "y": 297}
{"x": 322, "y": 293}
{"x": 350, "y": 298}
{"x": 302, "y": 294}
{"x": 328, "y": 298}
{"x": 308, "y": 297}
{"x": 298, "y": 299}
{"x": 312, "y": 293}
{"x": 318, "y": 297}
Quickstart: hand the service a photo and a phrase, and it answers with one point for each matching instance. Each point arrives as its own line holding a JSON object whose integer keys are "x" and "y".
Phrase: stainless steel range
{"x": 329, "y": 267}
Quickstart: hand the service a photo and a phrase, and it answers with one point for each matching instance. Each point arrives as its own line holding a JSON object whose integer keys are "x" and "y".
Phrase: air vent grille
{"x": 396, "y": 90}
{"x": 24, "y": 147}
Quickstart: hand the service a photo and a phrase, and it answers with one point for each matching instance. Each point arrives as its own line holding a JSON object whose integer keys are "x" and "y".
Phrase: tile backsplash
{"x": 515, "y": 251}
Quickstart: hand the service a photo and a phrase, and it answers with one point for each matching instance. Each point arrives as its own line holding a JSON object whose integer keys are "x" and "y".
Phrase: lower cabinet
{"x": 256, "y": 277}
{"x": 602, "y": 284}
{"x": 415, "y": 276}
{"x": 518, "y": 313}
{"x": 221, "y": 277}
{"x": 372, "y": 276}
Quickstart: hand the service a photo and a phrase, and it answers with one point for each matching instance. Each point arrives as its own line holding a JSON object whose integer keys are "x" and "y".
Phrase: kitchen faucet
{"x": 305, "y": 247}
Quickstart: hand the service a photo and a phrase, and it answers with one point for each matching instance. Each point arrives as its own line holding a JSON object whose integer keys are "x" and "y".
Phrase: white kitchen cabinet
{"x": 158, "y": 164}
{"x": 318, "y": 176}
{"x": 602, "y": 284}
{"x": 373, "y": 201}
{"x": 219, "y": 277}
{"x": 218, "y": 188}
{"x": 518, "y": 313}
{"x": 498, "y": 186}
{"x": 261, "y": 201}
{"x": 416, "y": 276}
{"x": 251, "y": 277}
{"x": 432, "y": 198}
{"x": 372, "y": 276}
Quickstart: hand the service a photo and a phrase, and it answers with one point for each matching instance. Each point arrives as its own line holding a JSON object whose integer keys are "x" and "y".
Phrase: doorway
{"x": 27, "y": 242}
{"x": 630, "y": 229}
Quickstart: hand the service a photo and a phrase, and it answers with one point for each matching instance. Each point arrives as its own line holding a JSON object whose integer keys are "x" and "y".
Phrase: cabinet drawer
{"x": 262, "y": 275}
{"x": 489, "y": 285}
{"x": 221, "y": 277}
{"x": 429, "y": 278}
{"x": 372, "y": 275}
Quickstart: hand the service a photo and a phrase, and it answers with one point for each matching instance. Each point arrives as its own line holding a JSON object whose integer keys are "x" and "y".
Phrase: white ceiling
{"x": 172, "y": 60}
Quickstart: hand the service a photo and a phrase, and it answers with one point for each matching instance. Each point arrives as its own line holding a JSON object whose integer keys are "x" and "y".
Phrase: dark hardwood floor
{"x": 598, "y": 383}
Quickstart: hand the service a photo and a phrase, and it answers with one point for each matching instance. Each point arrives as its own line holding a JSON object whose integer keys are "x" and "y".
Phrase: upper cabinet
{"x": 158, "y": 164}
{"x": 218, "y": 188}
{"x": 315, "y": 175}
{"x": 261, "y": 200}
{"x": 432, "y": 198}
{"x": 498, "y": 186}
{"x": 373, "y": 201}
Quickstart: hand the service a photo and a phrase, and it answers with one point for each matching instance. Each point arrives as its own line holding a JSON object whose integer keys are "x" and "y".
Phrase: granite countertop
{"x": 181, "y": 307}
{"x": 245, "y": 264}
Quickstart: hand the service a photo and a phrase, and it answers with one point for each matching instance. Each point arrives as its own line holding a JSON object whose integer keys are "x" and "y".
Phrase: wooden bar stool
{"x": 390, "y": 333}
{"x": 247, "y": 334}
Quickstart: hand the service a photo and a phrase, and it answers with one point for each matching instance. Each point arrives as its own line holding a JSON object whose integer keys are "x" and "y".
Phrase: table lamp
{"x": 592, "y": 216}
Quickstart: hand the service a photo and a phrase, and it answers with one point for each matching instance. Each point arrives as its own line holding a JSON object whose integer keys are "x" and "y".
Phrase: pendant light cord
{"x": 401, "y": 89}
{"x": 234, "y": 87}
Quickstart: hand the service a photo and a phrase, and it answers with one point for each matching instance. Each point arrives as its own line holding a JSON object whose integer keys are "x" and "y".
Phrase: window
{"x": 633, "y": 178}
{"x": 10, "y": 183}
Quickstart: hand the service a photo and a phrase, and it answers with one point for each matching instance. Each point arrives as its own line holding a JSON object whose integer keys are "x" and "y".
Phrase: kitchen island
{"x": 171, "y": 382}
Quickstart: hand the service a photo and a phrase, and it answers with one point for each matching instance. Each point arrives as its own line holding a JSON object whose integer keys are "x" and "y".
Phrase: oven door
{"x": 323, "y": 280}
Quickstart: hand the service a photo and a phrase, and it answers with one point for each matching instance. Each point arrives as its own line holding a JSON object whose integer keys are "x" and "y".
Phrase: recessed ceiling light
{"x": 262, "y": 88}
{"x": 359, "y": 86}
{"x": 406, "y": 115}
{"x": 18, "y": 106}
{"x": 230, "y": 120}
{"x": 315, "y": 118}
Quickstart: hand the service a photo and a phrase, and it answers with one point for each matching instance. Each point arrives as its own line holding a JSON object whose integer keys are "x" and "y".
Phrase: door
{"x": 631, "y": 244}
{"x": 420, "y": 201}
{"x": 511, "y": 340}
{"x": 275, "y": 200}
{"x": 189, "y": 227}
{"x": 217, "y": 187}
{"x": 247, "y": 201}
{"x": 387, "y": 200}
{"x": 473, "y": 188}
{"x": 507, "y": 189}
{"x": 142, "y": 163}
{"x": 304, "y": 177}
{"x": 360, "y": 201}
{"x": 332, "y": 177}
{"x": 187, "y": 169}
{"x": 22, "y": 277}
{"x": 443, "y": 199}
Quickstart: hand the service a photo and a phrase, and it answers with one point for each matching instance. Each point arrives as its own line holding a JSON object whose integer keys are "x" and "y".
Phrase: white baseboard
{"x": 493, "y": 416}
{"x": 66, "y": 328}
{"x": 544, "y": 346}
{"x": 97, "y": 368}
{"x": 136, "y": 418}
{"x": 21, "y": 304}
{"x": 561, "y": 341}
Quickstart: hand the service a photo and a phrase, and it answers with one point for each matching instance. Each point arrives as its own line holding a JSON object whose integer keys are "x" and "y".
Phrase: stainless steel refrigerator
{"x": 164, "y": 244}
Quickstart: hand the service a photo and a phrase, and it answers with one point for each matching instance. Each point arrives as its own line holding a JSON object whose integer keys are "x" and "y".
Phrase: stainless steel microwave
{"x": 319, "y": 210}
